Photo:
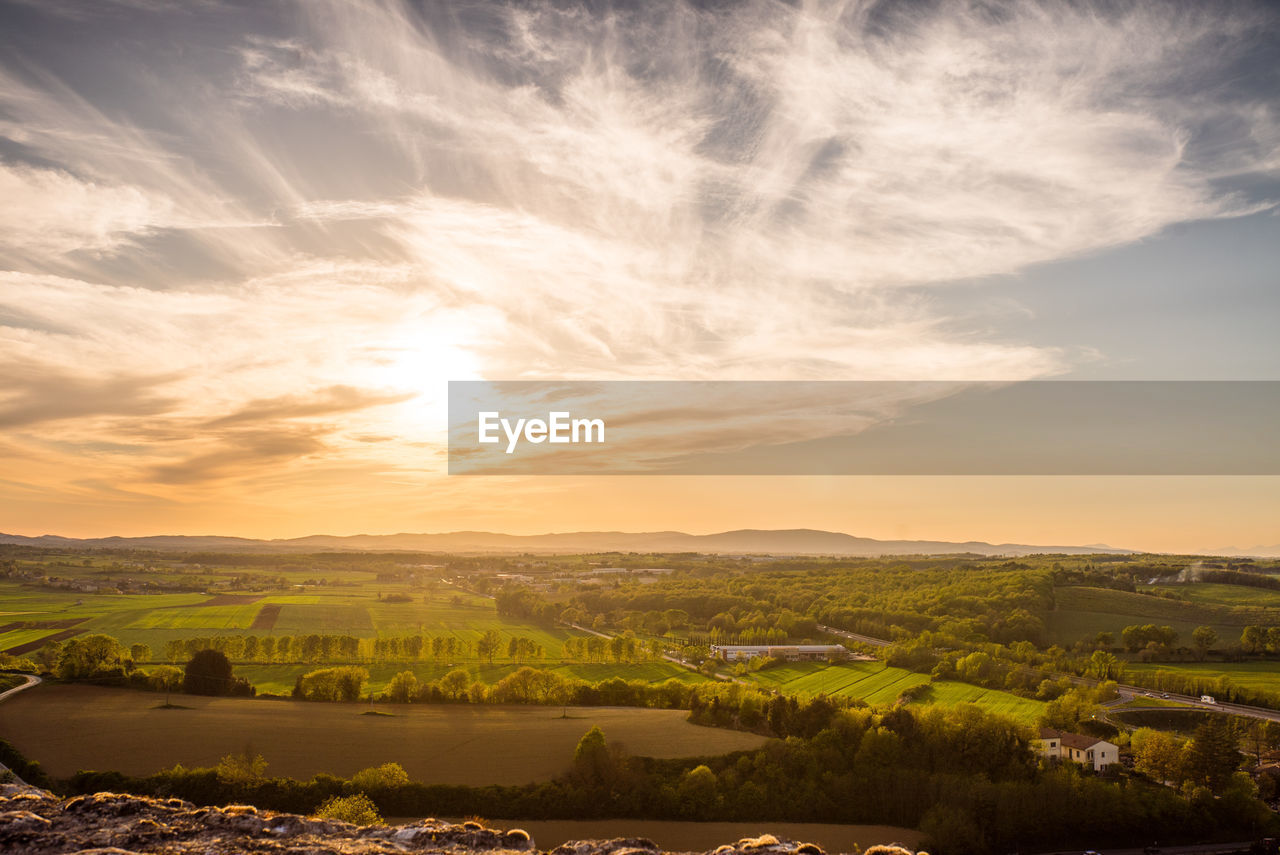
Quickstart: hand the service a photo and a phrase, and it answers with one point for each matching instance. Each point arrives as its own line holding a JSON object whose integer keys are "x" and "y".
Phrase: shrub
{"x": 357, "y": 810}
{"x": 242, "y": 768}
{"x": 380, "y": 777}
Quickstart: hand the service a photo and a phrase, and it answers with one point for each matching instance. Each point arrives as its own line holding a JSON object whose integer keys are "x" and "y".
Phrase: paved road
{"x": 1138, "y": 693}
{"x": 853, "y": 636}
{"x": 32, "y": 680}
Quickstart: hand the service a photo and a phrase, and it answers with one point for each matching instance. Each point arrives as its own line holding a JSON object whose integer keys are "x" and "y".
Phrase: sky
{"x": 244, "y": 246}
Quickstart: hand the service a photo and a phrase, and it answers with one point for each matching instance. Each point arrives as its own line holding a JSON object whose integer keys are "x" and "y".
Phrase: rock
{"x": 35, "y": 822}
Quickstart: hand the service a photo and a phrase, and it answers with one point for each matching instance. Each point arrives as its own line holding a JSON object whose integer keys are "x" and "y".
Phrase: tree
{"x": 593, "y": 762}
{"x": 1253, "y": 638}
{"x": 208, "y": 672}
{"x": 1069, "y": 710}
{"x": 1204, "y": 637}
{"x": 488, "y": 645}
{"x": 242, "y": 769}
{"x": 343, "y": 683}
{"x": 165, "y": 678}
{"x": 383, "y": 777}
{"x": 697, "y": 792}
{"x": 1213, "y": 755}
{"x": 454, "y": 684}
{"x": 140, "y": 653}
{"x": 90, "y": 656}
{"x": 1104, "y": 665}
{"x": 1157, "y": 754}
{"x": 403, "y": 687}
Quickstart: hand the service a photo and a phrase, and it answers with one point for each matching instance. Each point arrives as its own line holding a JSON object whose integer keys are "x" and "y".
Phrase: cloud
{"x": 311, "y": 216}
{"x": 741, "y": 191}
{"x": 240, "y": 453}
{"x": 332, "y": 401}
{"x": 34, "y": 394}
{"x": 50, "y": 211}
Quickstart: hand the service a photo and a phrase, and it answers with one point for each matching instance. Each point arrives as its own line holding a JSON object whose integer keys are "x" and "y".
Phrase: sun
{"x": 420, "y": 363}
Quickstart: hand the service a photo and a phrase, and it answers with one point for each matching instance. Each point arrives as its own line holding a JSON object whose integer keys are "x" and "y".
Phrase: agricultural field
{"x": 1264, "y": 676}
{"x": 1084, "y": 612}
{"x": 279, "y": 679}
{"x": 877, "y": 683}
{"x": 155, "y": 619}
{"x": 1225, "y": 595}
{"x": 72, "y": 727}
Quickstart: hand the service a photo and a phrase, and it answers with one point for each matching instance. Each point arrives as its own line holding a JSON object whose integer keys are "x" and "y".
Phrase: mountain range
{"x": 741, "y": 542}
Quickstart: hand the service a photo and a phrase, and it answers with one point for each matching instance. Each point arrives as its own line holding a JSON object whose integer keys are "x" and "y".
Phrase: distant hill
{"x": 742, "y": 542}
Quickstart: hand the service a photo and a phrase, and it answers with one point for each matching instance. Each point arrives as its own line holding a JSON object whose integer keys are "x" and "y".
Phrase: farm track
{"x": 228, "y": 600}
{"x": 266, "y": 618}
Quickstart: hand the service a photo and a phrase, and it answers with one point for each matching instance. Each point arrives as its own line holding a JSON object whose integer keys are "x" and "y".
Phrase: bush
{"x": 382, "y": 777}
{"x": 242, "y": 768}
{"x": 357, "y": 810}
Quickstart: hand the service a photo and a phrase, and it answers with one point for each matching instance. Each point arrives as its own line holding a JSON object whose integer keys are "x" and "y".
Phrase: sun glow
{"x": 420, "y": 364}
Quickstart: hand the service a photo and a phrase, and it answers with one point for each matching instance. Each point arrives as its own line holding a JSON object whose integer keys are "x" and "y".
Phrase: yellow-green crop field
{"x": 155, "y": 619}
{"x": 877, "y": 683}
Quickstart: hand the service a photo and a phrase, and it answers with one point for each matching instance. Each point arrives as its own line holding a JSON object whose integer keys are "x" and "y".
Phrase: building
{"x": 785, "y": 652}
{"x": 1089, "y": 751}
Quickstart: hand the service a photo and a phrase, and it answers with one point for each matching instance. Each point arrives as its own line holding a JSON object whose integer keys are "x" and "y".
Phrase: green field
{"x": 1226, "y": 595}
{"x": 157, "y": 619}
{"x": 279, "y": 679}
{"x": 72, "y": 727}
{"x": 1084, "y": 612}
{"x": 877, "y": 683}
{"x": 1264, "y": 676}
{"x": 16, "y": 637}
{"x": 1148, "y": 703}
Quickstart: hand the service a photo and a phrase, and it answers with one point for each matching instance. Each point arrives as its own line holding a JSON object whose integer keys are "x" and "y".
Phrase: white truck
{"x": 1207, "y": 699}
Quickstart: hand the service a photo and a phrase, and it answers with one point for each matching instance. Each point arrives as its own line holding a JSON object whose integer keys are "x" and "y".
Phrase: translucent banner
{"x": 864, "y": 428}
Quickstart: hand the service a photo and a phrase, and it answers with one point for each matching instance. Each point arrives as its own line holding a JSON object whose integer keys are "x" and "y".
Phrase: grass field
{"x": 1084, "y": 612}
{"x": 1148, "y": 703}
{"x": 1227, "y": 595}
{"x": 279, "y": 679}
{"x": 72, "y": 727}
{"x": 876, "y": 683}
{"x": 1252, "y": 675}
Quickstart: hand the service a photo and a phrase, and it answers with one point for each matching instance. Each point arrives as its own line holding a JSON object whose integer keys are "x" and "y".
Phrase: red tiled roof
{"x": 1070, "y": 740}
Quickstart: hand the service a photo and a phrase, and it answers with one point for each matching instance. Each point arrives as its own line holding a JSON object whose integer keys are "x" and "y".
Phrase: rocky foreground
{"x": 36, "y": 822}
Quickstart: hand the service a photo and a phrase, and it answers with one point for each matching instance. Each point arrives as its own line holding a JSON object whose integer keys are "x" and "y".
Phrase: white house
{"x": 1089, "y": 751}
{"x": 785, "y": 652}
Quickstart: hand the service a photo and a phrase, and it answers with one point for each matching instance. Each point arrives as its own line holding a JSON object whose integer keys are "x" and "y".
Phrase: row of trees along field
{"x": 489, "y": 645}
{"x": 968, "y": 779}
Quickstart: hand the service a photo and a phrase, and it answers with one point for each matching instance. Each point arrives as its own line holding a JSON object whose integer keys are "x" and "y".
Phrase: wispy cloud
{"x": 313, "y": 214}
